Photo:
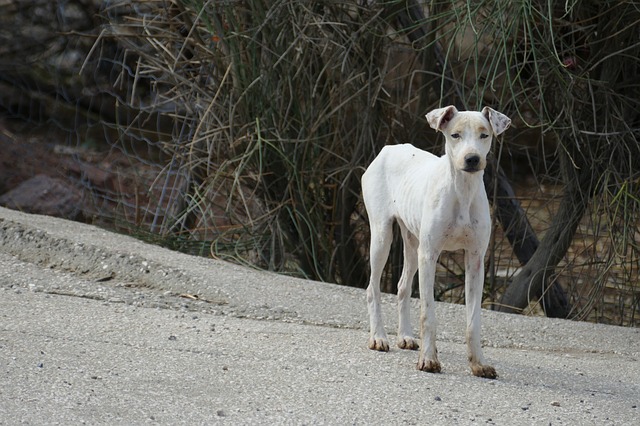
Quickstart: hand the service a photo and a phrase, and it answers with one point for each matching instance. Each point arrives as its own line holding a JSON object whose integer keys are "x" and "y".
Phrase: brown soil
{"x": 39, "y": 151}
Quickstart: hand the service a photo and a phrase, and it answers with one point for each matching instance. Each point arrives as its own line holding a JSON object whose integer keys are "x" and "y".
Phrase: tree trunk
{"x": 510, "y": 213}
{"x": 524, "y": 243}
{"x": 531, "y": 282}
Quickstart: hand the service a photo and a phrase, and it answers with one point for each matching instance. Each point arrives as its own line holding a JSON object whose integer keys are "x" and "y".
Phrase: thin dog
{"x": 439, "y": 204}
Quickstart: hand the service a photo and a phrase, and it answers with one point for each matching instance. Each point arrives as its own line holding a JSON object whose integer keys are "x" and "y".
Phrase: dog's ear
{"x": 438, "y": 118}
{"x": 499, "y": 122}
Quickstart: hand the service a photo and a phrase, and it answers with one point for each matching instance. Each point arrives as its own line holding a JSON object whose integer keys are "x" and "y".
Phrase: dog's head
{"x": 468, "y": 134}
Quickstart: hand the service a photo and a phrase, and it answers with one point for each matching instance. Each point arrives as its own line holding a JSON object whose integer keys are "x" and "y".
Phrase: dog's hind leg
{"x": 381, "y": 236}
{"x": 409, "y": 268}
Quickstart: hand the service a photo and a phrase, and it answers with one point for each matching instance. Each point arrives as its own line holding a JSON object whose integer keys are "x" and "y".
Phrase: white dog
{"x": 440, "y": 204}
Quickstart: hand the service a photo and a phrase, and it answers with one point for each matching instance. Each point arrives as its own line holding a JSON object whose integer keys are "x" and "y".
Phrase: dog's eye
{"x": 455, "y": 135}
{"x": 483, "y": 136}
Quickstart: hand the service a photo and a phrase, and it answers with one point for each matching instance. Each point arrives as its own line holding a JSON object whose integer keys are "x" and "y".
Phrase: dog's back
{"x": 397, "y": 177}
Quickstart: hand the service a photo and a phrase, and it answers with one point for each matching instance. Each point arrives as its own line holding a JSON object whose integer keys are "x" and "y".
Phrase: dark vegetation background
{"x": 240, "y": 129}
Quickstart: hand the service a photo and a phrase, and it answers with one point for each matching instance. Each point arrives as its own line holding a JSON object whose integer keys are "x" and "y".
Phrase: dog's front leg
{"x": 428, "y": 360}
{"x": 474, "y": 280}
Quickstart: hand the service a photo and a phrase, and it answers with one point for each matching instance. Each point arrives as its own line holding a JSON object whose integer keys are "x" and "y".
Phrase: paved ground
{"x": 100, "y": 328}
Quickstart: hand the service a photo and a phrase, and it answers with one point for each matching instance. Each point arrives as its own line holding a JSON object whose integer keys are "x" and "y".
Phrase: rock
{"x": 45, "y": 195}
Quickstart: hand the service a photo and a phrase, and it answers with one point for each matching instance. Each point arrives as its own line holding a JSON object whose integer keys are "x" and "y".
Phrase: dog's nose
{"x": 471, "y": 162}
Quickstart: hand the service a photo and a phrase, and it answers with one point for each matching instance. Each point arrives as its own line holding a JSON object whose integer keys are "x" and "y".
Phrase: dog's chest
{"x": 464, "y": 227}
{"x": 460, "y": 232}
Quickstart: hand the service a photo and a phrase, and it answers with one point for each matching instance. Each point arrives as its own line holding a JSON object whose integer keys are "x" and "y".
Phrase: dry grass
{"x": 270, "y": 110}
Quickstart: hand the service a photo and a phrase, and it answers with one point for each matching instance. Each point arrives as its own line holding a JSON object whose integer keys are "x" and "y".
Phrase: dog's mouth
{"x": 469, "y": 169}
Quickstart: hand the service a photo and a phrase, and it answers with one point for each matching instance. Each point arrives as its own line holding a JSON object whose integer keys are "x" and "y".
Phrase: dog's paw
{"x": 408, "y": 342}
{"x": 429, "y": 365}
{"x": 486, "y": 371}
{"x": 379, "y": 344}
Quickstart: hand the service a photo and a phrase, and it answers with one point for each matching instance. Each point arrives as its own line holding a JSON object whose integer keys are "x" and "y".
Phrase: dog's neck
{"x": 466, "y": 187}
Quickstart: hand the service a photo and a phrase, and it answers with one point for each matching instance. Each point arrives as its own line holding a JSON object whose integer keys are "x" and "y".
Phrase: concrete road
{"x": 100, "y": 328}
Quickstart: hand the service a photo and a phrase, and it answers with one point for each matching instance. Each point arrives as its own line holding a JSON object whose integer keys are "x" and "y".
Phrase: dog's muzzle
{"x": 471, "y": 163}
